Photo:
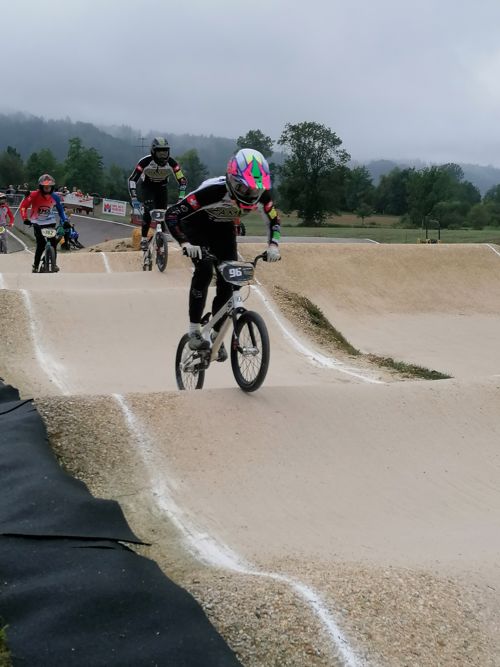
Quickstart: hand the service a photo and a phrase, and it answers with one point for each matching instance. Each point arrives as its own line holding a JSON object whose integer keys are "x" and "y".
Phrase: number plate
{"x": 49, "y": 233}
{"x": 2, "y": 229}
{"x": 237, "y": 273}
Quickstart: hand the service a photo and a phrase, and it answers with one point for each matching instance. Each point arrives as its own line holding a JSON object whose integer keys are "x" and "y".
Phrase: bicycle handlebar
{"x": 206, "y": 254}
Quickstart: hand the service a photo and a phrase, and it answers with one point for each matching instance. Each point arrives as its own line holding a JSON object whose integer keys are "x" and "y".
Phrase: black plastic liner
{"x": 37, "y": 497}
{"x": 70, "y": 593}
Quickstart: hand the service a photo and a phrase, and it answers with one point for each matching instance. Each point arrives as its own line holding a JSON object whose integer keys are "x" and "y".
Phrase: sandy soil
{"x": 383, "y": 498}
{"x": 436, "y": 306}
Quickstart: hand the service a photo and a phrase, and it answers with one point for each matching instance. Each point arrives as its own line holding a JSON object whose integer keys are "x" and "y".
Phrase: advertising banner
{"x": 77, "y": 200}
{"x": 113, "y": 207}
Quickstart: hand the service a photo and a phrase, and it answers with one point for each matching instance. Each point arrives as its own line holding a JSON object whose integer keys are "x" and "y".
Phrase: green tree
{"x": 92, "y": 171}
{"x": 391, "y": 194}
{"x": 196, "y": 172}
{"x": 115, "y": 183}
{"x": 493, "y": 195}
{"x": 479, "y": 216}
{"x": 11, "y": 167}
{"x": 449, "y": 213}
{"x": 358, "y": 188}
{"x": 426, "y": 188}
{"x": 73, "y": 163}
{"x": 440, "y": 192}
{"x": 468, "y": 194}
{"x": 83, "y": 167}
{"x": 455, "y": 171}
{"x": 493, "y": 209}
{"x": 313, "y": 173}
{"x": 258, "y": 140}
{"x": 42, "y": 162}
{"x": 363, "y": 211}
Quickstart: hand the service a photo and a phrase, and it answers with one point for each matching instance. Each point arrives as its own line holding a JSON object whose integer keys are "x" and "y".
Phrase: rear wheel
{"x": 3, "y": 247}
{"x": 161, "y": 252}
{"x": 250, "y": 351}
{"x": 187, "y": 366}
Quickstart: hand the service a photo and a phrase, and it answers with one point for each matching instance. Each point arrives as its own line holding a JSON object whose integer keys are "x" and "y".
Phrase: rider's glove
{"x": 193, "y": 251}
{"x": 273, "y": 253}
{"x": 136, "y": 204}
{"x": 27, "y": 221}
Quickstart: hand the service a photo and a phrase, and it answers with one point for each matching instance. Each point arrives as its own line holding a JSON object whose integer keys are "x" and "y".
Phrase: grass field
{"x": 379, "y": 228}
{"x": 348, "y": 226}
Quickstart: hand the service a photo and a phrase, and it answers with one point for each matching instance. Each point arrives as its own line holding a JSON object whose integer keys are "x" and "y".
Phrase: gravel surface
{"x": 262, "y": 620}
{"x": 16, "y": 356}
{"x": 394, "y": 617}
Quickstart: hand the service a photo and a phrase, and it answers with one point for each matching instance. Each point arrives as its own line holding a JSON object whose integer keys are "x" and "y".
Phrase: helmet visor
{"x": 245, "y": 193}
{"x": 161, "y": 154}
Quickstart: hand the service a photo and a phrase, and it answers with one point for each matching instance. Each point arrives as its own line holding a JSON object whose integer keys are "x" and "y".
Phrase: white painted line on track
{"x": 313, "y": 356}
{"x": 19, "y": 240}
{"x": 54, "y": 370}
{"x": 372, "y": 241}
{"x": 488, "y": 245}
{"x": 210, "y": 551}
{"x": 106, "y": 262}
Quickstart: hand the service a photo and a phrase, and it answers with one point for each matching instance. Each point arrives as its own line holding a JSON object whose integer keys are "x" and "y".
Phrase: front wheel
{"x": 48, "y": 260}
{"x": 189, "y": 372}
{"x": 3, "y": 247}
{"x": 147, "y": 261}
{"x": 250, "y": 351}
{"x": 161, "y": 252}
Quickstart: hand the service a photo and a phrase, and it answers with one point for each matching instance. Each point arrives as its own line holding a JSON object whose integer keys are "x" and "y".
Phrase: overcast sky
{"x": 393, "y": 78}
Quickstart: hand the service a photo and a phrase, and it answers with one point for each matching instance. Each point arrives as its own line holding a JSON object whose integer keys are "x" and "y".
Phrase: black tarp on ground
{"x": 37, "y": 497}
{"x": 73, "y": 601}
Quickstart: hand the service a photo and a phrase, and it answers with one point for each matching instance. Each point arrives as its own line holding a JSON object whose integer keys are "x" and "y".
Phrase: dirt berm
{"x": 335, "y": 517}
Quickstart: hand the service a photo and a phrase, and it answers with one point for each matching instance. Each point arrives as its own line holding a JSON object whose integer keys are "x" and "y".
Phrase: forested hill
{"x": 121, "y": 145}
{"x": 117, "y": 145}
{"x": 483, "y": 177}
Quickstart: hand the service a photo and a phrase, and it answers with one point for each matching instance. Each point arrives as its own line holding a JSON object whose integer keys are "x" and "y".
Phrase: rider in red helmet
{"x": 43, "y": 203}
{"x": 6, "y": 218}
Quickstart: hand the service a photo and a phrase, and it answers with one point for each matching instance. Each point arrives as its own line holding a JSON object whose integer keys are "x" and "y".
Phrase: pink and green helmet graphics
{"x": 251, "y": 168}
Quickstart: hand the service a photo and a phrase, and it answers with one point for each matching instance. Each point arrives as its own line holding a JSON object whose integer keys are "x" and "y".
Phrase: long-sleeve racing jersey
{"x": 212, "y": 202}
{"x": 42, "y": 208}
{"x": 6, "y": 214}
{"x": 155, "y": 176}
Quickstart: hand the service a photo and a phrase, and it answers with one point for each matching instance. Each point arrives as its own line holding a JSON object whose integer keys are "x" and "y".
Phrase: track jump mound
{"x": 437, "y": 306}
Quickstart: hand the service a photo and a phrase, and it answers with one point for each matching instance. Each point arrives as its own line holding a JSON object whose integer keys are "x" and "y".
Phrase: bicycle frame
{"x": 233, "y": 307}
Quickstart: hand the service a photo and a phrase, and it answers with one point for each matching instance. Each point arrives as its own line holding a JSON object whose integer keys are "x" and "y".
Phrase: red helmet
{"x": 46, "y": 180}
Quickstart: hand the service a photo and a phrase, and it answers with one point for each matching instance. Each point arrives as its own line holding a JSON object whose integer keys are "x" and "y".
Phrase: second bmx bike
{"x": 157, "y": 250}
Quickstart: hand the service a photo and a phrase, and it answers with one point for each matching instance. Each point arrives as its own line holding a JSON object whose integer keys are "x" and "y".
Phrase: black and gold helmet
{"x": 160, "y": 150}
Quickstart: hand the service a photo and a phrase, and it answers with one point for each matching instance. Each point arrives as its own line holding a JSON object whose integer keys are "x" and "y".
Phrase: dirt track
{"x": 380, "y": 496}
